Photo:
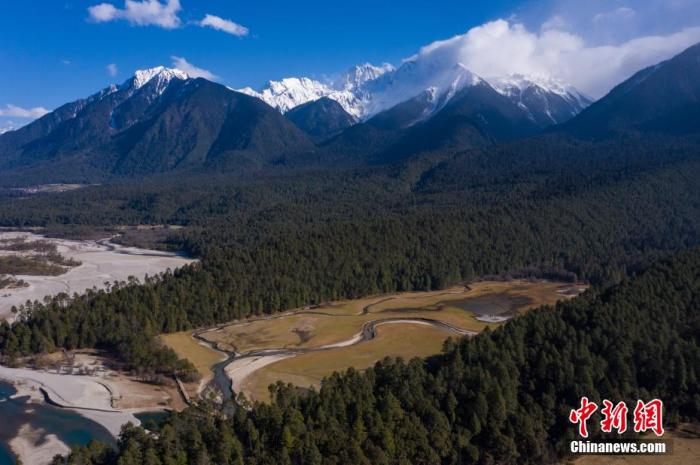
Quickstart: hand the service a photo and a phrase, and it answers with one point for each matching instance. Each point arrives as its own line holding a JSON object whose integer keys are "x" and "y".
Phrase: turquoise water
{"x": 68, "y": 426}
{"x": 149, "y": 418}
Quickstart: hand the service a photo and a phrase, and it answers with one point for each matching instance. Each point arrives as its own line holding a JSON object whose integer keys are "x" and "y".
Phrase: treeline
{"x": 500, "y": 397}
{"x": 596, "y": 212}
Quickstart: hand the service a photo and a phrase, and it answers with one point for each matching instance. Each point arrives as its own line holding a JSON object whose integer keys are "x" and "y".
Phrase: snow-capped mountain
{"x": 157, "y": 120}
{"x": 347, "y": 90}
{"x": 160, "y": 75}
{"x": 366, "y": 90}
{"x": 356, "y": 77}
{"x": 290, "y": 92}
{"x": 415, "y": 78}
{"x": 546, "y": 100}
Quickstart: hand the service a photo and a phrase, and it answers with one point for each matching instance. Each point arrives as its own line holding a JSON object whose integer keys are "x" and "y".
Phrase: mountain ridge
{"x": 157, "y": 120}
{"x": 661, "y": 98}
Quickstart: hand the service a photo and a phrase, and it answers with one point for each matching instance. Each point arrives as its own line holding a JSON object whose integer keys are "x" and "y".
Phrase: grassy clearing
{"x": 393, "y": 340}
{"x": 340, "y": 321}
{"x": 203, "y": 358}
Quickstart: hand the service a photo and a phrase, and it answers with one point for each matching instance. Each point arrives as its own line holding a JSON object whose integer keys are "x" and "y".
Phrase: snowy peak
{"x": 358, "y": 75}
{"x": 155, "y": 79}
{"x": 517, "y": 83}
{"x": 546, "y": 100}
{"x": 161, "y": 74}
{"x": 413, "y": 78}
{"x": 289, "y": 92}
{"x": 366, "y": 90}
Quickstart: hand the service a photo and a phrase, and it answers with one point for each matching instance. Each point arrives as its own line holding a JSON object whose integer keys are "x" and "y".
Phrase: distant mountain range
{"x": 366, "y": 90}
{"x": 161, "y": 120}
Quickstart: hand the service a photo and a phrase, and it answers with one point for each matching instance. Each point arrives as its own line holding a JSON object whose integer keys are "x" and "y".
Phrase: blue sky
{"x": 54, "y": 51}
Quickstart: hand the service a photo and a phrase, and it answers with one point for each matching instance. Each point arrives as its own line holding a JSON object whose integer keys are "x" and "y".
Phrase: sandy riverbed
{"x": 32, "y": 447}
{"x": 100, "y": 262}
{"x": 85, "y": 387}
{"x": 90, "y": 396}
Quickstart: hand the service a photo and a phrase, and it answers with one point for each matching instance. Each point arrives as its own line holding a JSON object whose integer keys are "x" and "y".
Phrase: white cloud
{"x": 140, "y": 13}
{"x": 7, "y": 127}
{"x": 19, "y": 112}
{"x": 221, "y": 24}
{"x": 622, "y": 13}
{"x": 191, "y": 70}
{"x": 556, "y": 22}
{"x": 112, "y": 69}
{"x": 500, "y": 47}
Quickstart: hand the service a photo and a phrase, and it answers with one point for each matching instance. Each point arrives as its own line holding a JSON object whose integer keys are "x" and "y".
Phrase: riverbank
{"x": 52, "y": 410}
{"x": 100, "y": 262}
{"x": 35, "y": 431}
{"x": 88, "y": 396}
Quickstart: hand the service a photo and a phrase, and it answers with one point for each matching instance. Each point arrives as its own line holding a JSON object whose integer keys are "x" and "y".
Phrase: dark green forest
{"x": 500, "y": 397}
{"x": 592, "y": 211}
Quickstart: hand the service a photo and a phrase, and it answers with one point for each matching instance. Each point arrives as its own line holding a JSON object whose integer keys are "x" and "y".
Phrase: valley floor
{"x": 305, "y": 345}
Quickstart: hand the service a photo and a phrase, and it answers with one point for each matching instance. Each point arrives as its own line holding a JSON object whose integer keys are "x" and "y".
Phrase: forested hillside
{"x": 597, "y": 212}
{"x": 500, "y": 397}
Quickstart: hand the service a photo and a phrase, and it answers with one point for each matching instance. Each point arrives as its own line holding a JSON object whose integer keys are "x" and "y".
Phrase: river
{"x": 69, "y": 427}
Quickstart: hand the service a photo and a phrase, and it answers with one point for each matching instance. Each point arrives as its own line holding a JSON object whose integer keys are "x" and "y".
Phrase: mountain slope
{"x": 662, "y": 98}
{"x": 159, "y": 120}
{"x": 321, "y": 119}
{"x": 546, "y": 101}
{"x": 475, "y": 116}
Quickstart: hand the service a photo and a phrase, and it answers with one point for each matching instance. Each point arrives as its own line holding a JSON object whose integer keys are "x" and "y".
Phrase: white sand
{"x": 86, "y": 395}
{"x": 32, "y": 450}
{"x": 99, "y": 265}
{"x": 493, "y": 318}
{"x": 240, "y": 369}
{"x": 348, "y": 342}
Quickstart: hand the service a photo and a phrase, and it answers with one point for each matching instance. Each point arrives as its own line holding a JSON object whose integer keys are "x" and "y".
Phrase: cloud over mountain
{"x": 192, "y": 70}
{"x": 19, "y": 112}
{"x": 503, "y": 47}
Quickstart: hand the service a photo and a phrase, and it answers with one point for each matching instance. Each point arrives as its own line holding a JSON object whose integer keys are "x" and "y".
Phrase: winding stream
{"x": 223, "y": 382}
